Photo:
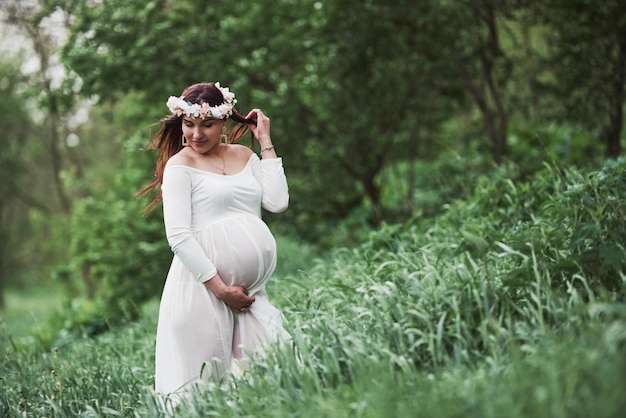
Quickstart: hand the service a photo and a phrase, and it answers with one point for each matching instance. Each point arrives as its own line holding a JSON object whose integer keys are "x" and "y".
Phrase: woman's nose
{"x": 197, "y": 132}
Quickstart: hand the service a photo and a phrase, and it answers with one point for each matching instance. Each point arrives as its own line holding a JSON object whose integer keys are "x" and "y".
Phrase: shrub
{"x": 117, "y": 258}
{"x": 558, "y": 222}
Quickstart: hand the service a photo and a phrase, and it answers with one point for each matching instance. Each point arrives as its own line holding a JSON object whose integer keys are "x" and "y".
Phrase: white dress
{"x": 213, "y": 224}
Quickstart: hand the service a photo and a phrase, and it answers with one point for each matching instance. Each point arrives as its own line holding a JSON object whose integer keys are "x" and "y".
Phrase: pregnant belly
{"x": 243, "y": 251}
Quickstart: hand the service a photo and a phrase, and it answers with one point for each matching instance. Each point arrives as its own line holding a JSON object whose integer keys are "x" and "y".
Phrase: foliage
{"x": 566, "y": 145}
{"x": 594, "y": 219}
{"x": 519, "y": 216}
{"x": 422, "y": 316}
{"x": 104, "y": 377}
{"x": 361, "y": 94}
{"x": 354, "y": 88}
{"x": 587, "y": 56}
{"x": 49, "y": 157}
{"x": 47, "y": 89}
{"x": 352, "y": 63}
{"x": 119, "y": 263}
{"x": 13, "y": 124}
{"x": 117, "y": 259}
{"x": 317, "y": 64}
{"x": 486, "y": 276}
{"x": 27, "y": 313}
{"x": 569, "y": 220}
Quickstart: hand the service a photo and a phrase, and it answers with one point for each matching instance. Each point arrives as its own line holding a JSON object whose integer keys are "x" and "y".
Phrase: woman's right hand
{"x": 235, "y": 297}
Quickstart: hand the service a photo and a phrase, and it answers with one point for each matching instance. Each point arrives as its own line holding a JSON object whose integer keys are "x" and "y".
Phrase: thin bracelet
{"x": 269, "y": 147}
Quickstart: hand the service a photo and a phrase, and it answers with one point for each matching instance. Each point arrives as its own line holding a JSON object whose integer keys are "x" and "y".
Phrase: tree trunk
{"x": 3, "y": 262}
{"x": 367, "y": 178}
{"x": 616, "y": 105}
{"x": 412, "y": 152}
{"x": 22, "y": 16}
{"x": 488, "y": 60}
{"x": 56, "y": 159}
{"x": 485, "y": 90}
{"x": 373, "y": 193}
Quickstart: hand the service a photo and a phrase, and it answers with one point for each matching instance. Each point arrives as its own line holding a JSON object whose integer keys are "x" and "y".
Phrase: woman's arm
{"x": 177, "y": 218}
{"x": 269, "y": 172}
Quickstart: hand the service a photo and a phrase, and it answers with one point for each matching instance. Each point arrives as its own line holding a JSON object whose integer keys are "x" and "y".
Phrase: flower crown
{"x": 179, "y": 106}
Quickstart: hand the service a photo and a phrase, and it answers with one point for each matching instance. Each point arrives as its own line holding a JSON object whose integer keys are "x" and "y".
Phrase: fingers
{"x": 240, "y": 301}
{"x": 244, "y": 295}
{"x": 245, "y": 306}
{"x": 243, "y": 309}
{"x": 261, "y": 119}
{"x": 256, "y": 114}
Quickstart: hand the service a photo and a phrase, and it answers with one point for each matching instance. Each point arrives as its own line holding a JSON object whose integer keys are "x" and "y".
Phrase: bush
{"x": 423, "y": 316}
{"x": 592, "y": 210}
{"x": 117, "y": 258}
{"x": 560, "y": 222}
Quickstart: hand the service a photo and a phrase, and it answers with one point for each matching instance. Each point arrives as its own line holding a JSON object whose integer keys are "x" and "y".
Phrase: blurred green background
{"x": 384, "y": 111}
{"x": 455, "y": 242}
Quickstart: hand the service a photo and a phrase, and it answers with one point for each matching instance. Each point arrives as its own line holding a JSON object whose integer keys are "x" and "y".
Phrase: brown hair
{"x": 168, "y": 141}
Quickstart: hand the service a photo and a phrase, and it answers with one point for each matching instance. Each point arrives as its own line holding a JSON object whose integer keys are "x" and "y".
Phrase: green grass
{"x": 480, "y": 313}
{"x": 361, "y": 352}
{"x": 27, "y": 311}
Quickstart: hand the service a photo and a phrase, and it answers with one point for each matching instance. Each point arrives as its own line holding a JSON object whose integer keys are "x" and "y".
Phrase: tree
{"x": 374, "y": 91}
{"x": 468, "y": 39}
{"x": 50, "y": 92}
{"x": 588, "y": 59}
{"x": 356, "y": 86}
{"x": 346, "y": 80}
{"x": 14, "y": 125}
{"x": 43, "y": 160}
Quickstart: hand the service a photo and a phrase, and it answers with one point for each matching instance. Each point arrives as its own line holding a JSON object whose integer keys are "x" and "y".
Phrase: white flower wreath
{"x": 178, "y": 106}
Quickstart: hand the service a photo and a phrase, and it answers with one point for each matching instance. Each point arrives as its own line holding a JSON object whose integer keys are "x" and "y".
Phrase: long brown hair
{"x": 168, "y": 140}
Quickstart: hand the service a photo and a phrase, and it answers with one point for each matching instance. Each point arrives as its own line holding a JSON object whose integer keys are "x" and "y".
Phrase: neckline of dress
{"x": 211, "y": 172}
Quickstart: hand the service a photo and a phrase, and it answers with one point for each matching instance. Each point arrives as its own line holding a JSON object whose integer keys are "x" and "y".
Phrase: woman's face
{"x": 202, "y": 134}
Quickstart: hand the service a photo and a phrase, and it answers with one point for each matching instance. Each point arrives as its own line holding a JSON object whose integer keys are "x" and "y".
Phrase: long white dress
{"x": 213, "y": 224}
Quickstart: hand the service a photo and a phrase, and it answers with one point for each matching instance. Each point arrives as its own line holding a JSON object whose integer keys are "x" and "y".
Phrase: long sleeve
{"x": 270, "y": 173}
{"x": 177, "y": 188}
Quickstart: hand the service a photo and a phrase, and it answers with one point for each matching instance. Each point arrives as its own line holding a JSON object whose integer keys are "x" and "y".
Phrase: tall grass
{"x": 28, "y": 311}
{"x": 491, "y": 310}
{"x": 107, "y": 376}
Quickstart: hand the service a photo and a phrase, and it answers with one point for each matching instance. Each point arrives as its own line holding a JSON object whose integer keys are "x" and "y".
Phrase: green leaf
{"x": 613, "y": 255}
{"x": 583, "y": 233}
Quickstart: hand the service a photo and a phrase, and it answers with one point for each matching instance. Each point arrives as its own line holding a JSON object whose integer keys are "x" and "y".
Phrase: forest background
{"x": 386, "y": 113}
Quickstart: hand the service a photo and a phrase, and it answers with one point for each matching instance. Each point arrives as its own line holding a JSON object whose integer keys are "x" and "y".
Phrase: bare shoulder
{"x": 240, "y": 152}
{"x": 180, "y": 158}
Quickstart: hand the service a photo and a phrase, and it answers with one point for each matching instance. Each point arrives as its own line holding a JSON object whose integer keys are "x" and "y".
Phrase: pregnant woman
{"x": 214, "y": 309}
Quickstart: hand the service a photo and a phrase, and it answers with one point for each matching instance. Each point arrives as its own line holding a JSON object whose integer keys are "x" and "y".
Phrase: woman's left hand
{"x": 262, "y": 128}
